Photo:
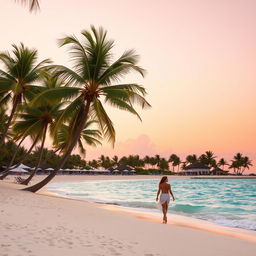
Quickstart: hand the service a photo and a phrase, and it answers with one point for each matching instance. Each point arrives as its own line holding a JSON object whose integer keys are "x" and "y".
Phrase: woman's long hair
{"x": 163, "y": 180}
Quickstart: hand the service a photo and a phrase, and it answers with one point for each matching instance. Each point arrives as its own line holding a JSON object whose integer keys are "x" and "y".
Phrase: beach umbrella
{"x": 84, "y": 170}
{"x": 21, "y": 166}
{"x": 18, "y": 169}
{"x": 49, "y": 169}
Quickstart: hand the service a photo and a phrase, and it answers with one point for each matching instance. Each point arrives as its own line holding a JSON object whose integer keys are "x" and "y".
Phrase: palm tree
{"x": 240, "y": 163}
{"x": 92, "y": 79}
{"x": 17, "y": 79}
{"x": 174, "y": 159}
{"x": 246, "y": 163}
{"x": 115, "y": 161}
{"x": 177, "y": 162}
{"x": 208, "y": 159}
{"x": 190, "y": 159}
{"x": 163, "y": 164}
{"x": 94, "y": 164}
{"x": 32, "y": 120}
{"x": 40, "y": 118}
{"x": 222, "y": 162}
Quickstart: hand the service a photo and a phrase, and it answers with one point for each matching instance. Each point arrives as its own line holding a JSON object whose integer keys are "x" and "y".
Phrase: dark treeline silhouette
{"x": 173, "y": 164}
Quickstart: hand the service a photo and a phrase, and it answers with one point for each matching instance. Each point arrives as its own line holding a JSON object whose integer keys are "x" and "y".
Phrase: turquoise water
{"x": 225, "y": 202}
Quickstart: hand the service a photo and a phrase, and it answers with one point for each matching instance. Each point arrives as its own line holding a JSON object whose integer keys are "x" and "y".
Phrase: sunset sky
{"x": 200, "y": 58}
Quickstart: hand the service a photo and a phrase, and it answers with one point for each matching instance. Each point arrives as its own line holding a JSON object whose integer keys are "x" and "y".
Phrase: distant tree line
{"x": 238, "y": 164}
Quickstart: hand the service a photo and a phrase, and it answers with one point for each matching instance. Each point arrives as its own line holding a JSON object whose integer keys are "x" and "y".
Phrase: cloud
{"x": 142, "y": 145}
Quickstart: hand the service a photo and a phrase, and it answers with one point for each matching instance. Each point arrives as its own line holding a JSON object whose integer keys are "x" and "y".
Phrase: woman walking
{"x": 165, "y": 190}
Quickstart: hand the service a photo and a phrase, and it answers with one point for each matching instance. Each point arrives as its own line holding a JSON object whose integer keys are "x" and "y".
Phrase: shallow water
{"x": 225, "y": 202}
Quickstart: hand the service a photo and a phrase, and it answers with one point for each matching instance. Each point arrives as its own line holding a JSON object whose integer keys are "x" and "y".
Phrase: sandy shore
{"x": 39, "y": 225}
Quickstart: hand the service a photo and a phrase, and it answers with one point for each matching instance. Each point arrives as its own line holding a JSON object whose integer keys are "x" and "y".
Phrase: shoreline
{"x": 184, "y": 220}
{"x": 175, "y": 219}
{"x": 42, "y": 224}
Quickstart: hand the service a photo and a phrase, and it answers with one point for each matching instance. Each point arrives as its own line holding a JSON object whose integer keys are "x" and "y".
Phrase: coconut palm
{"x": 40, "y": 118}
{"x": 177, "y": 162}
{"x": 31, "y": 122}
{"x": 115, "y": 161}
{"x": 94, "y": 164}
{"x": 174, "y": 160}
{"x": 190, "y": 159}
{"x": 17, "y": 79}
{"x": 163, "y": 164}
{"x": 222, "y": 162}
{"x": 34, "y": 121}
{"x": 208, "y": 159}
{"x": 91, "y": 80}
{"x": 246, "y": 163}
{"x": 240, "y": 163}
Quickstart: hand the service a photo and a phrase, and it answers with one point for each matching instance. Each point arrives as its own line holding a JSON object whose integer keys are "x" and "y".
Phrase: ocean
{"x": 227, "y": 202}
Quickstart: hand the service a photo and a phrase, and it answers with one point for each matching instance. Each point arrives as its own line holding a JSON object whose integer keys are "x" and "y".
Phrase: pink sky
{"x": 200, "y": 58}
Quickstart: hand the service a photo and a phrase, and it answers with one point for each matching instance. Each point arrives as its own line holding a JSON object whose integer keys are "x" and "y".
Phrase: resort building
{"x": 219, "y": 171}
{"x": 196, "y": 169}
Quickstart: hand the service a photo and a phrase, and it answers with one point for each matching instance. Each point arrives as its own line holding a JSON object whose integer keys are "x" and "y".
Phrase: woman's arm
{"x": 171, "y": 193}
{"x": 158, "y": 192}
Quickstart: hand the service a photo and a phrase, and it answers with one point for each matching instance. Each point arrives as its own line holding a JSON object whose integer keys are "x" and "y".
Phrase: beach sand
{"x": 41, "y": 224}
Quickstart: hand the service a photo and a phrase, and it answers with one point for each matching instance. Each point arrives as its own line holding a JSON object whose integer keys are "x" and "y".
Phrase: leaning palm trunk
{"x": 14, "y": 155}
{"x": 10, "y": 167}
{"x": 82, "y": 118}
{"x": 26, "y": 181}
{"x": 4, "y": 134}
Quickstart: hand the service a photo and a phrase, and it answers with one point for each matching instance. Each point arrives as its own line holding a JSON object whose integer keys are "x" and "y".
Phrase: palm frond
{"x": 33, "y": 4}
{"x": 67, "y": 114}
{"x": 61, "y": 93}
{"x": 128, "y": 93}
{"x": 126, "y": 63}
{"x": 67, "y": 74}
{"x": 118, "y": 103}
{"x": 104, "y": 121}
{"x": 78, "y": 55}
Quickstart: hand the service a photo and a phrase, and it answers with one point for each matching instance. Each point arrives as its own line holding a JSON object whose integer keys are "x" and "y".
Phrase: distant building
{"x": 196, "y": 169}
{"x": 218, "y": 171}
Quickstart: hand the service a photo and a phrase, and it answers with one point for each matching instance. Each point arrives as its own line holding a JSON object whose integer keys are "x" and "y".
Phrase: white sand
{"x": 41, "y": 225}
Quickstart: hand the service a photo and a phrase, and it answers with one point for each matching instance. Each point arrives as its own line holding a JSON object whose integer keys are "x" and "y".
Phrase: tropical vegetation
{"x": 61, "y": 102}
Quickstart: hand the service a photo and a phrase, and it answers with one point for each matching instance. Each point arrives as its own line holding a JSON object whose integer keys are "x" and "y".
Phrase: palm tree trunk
{"x": 14, "y": 107}
{"x": 7, "y": 171}
{"x": 26, "y": 181}
{"x": 81, "y": 120}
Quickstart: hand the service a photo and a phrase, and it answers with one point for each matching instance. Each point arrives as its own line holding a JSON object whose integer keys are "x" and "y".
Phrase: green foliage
{"x": 6, "y": 152}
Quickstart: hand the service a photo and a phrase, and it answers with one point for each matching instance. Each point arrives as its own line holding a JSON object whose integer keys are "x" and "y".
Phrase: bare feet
{"x": 165, "y": 220}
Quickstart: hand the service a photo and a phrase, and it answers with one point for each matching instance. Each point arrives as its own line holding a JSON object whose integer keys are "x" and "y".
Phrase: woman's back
{"x": 164, "y": 187}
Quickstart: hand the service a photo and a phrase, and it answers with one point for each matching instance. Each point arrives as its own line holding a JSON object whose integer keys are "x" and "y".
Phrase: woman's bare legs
{"x": 164, "y": 208}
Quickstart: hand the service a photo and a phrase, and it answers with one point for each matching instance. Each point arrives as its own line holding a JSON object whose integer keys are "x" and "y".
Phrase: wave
{"x": 188, "y": 208}
{"x": 194, "y": 198}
